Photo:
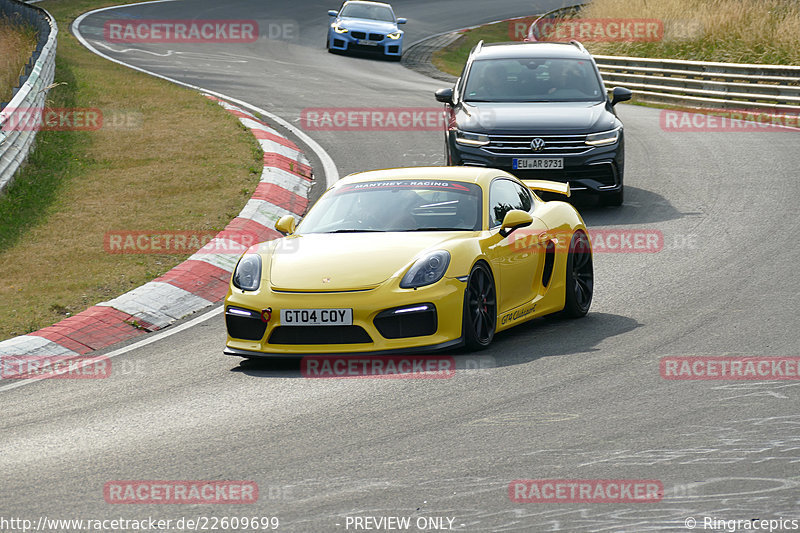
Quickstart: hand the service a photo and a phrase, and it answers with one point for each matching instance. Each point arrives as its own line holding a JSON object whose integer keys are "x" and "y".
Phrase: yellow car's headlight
{"x": 339, "y": 29}
{"x": 426, "y": 270}
{"x": 247, "y": 275}
{"x": 396, "y": 35}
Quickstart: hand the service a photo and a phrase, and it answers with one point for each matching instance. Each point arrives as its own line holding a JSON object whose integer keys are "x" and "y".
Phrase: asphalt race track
{"x": 551, "y": 399}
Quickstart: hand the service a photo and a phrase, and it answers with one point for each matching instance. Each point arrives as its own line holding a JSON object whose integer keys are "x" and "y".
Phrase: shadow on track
{"x": 541, "y": 337}
{"x": 641, "y": 207}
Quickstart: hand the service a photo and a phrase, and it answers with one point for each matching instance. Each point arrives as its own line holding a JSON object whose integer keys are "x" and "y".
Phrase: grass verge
{"x": 17, "y": 43}
{"x": 738, "y": 31}
{"x": 165, "y": 158}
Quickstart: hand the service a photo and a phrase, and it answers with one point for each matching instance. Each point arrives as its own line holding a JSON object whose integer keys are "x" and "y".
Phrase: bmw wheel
{"x": 480, "y": 308}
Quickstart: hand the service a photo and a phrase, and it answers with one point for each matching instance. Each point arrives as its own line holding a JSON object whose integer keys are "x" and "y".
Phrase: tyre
{"x": 614, "y": 199}
{"x": 480, "y": 308}
{"x": 580, "y": 277}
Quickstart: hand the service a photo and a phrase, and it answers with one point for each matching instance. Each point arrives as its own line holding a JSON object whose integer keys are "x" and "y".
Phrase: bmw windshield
{"x": 532, "y": 80}
{"x": 402, "y": 205}
{"x": 370, "y": 12}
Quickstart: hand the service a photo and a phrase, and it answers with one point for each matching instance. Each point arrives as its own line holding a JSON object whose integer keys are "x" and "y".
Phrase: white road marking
{"x": 154, "y": 337}
{"x": 207, "y": 57}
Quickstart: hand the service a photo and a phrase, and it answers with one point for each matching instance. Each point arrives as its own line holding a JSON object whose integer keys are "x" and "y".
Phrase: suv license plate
{"x": 367, "y": 43}
{"x": 316, "y": 317}
{"x": 538, "y": 163}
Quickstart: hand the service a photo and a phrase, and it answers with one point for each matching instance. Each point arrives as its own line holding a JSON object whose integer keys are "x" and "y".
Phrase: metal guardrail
{"x": 15, "y": 141}
{"x": 701, "y": 84}
{"x": 769, "y": 88}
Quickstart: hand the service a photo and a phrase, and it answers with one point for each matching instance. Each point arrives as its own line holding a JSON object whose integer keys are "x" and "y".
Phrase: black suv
{"x": 539, "y": 110}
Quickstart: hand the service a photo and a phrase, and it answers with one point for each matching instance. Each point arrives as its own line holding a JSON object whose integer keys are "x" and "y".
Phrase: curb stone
{"x": 198, "y": 282}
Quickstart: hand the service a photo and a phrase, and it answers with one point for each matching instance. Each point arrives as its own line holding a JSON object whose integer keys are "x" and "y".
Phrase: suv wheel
{"x": 613, "y": 198}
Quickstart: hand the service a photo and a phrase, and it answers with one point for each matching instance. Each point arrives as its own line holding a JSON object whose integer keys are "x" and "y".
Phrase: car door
{"x": 515, "y": 267}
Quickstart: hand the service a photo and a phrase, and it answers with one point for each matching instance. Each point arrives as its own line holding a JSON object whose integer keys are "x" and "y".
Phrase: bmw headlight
{"x": 395, "y": 35}
{"x": 603, "y": 138}
{"x": 426, "y": 270}
{"x": 471, "y": 139}
{"x": 247, "y": 275}
{"x": 339, "y": 29}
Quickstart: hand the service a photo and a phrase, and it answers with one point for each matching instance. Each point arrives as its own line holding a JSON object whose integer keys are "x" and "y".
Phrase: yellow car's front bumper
{"x": 446, "y": 295}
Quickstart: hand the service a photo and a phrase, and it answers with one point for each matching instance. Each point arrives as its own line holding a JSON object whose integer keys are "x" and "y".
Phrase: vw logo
{"x": 537, "y": 144}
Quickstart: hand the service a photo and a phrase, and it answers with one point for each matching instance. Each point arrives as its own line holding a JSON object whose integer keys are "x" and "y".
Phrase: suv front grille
{"x": 375, "y": 36}
{"x": 358, "y": 34}
{"x": 521, "y": 145}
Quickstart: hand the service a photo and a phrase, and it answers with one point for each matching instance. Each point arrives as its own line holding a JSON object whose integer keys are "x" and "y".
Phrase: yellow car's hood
{"x": 349, "y": 261}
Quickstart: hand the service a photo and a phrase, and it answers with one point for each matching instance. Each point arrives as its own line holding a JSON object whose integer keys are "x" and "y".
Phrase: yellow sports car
{"x": 411, "y": 259}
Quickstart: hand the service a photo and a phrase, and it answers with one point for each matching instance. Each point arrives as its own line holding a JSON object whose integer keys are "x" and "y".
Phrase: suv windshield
{"x": 366, "y": 11}
{"x": 402, "y": 205}
{"x": 532, "y": 80}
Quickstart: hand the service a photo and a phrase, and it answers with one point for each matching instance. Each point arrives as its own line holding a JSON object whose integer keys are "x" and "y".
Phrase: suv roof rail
{"x": 579, "y": 46}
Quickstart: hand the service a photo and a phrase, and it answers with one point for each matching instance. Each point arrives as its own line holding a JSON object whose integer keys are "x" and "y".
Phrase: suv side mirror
{"x": 515, "y": 219}
{"x": 620, "y": 94}
{"x": 402, "y": 20}
{"x": 444, "y": 95}
{"x": 332, "y": 12}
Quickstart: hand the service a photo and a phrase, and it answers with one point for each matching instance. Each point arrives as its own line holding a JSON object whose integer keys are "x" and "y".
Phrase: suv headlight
{"x": 339, "y": 29}
{"x": 471, "y": 139}
{"x": 395, "y": 35}
{"x": 426, "y": 270}
{"x": 603, "y": 138}
{"x": 247, "y": 274}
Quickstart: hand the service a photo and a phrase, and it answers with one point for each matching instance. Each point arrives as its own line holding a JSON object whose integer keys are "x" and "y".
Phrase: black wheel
{"x": 580, "y": 277}
{"x": 480, "y": 308}
{"x": 613, "y": 198}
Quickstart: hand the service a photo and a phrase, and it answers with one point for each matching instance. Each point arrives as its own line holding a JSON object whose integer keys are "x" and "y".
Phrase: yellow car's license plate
{"x": 316, "y": 317}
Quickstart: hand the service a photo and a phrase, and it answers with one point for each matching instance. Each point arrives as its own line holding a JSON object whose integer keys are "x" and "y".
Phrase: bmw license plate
{"x": 316, "y": 317}
{"x": 538, "y": 163}
{"x": 367, "y": 43}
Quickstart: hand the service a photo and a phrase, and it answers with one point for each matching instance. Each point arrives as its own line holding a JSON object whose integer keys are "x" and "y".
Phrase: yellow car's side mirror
{"x": 513, "y": 220}
{"x": 285, "y": 224}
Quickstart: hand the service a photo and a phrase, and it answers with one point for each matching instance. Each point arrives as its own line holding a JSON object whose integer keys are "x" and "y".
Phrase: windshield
{"x": 532, "y": 80}
{"x": 402, "y": 205}
{"x": 366, "y": 11}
